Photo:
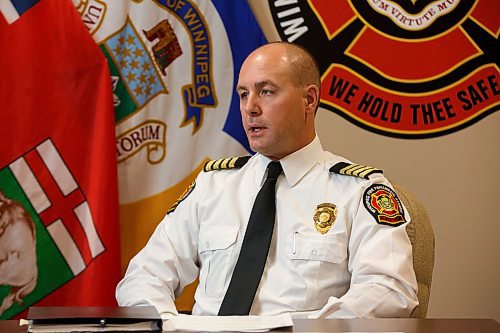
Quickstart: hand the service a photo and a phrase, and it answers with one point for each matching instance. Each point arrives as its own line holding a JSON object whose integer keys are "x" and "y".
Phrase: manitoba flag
{"x": 59, "y": 236}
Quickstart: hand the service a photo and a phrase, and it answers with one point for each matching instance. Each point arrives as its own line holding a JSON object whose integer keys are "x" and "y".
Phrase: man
{"x": 334, "y": 252}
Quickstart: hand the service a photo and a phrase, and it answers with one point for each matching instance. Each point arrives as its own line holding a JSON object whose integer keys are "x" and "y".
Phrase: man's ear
{"x": 311, "y": 97}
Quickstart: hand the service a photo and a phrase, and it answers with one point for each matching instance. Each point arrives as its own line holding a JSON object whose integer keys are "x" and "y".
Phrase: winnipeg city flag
{"x": 174, "y": 66}
{"x": 59, "y": 236}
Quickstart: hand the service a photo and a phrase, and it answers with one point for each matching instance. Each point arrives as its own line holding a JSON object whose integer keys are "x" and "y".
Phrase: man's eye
{"x": 243, "y": 94}
{"x": 265, "y": 92}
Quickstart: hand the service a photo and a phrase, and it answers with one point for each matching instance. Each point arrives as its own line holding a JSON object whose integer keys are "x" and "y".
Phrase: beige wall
{"x": 457, "y": 177}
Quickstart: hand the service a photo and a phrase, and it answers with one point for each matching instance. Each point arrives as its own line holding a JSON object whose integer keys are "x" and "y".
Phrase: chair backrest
{"x": 422, "y": 239}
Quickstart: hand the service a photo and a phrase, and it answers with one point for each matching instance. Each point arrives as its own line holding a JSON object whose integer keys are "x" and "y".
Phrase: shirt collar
{"x": 297, "y": 164}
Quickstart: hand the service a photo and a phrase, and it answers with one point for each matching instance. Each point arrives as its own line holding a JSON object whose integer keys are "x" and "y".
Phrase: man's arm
{"x": 383, "y": 282}
{"x": 168, "y": 262}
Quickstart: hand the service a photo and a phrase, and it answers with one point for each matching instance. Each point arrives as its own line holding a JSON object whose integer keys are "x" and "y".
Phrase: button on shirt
{"x": 359, "y": 268}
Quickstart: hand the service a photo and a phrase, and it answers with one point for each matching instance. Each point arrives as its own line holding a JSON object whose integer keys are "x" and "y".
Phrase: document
{"x": 68, "y": 328}
{"x": 93, "y": 319}
{"x": 227, "y": 323}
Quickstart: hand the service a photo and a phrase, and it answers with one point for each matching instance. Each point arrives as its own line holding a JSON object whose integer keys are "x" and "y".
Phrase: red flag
{"x": 59, "y": 236}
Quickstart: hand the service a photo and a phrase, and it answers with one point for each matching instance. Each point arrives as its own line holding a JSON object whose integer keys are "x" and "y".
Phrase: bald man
{"x": 335, "y": 252}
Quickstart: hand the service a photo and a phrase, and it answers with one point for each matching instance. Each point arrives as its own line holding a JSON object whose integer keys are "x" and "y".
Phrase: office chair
{"x": 422, "y": 239}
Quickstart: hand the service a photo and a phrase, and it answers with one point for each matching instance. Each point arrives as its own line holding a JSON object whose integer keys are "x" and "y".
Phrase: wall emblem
{"x": 407, "y": 69}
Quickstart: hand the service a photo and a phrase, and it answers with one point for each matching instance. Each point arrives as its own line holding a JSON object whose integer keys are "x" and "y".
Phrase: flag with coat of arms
{"x": 174, "y": 66}
{"x": 59, "y": 236}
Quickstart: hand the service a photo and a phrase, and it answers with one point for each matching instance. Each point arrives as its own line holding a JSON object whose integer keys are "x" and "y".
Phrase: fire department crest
{"x": 384, "y": 205}
{"x": 401, "y": 68}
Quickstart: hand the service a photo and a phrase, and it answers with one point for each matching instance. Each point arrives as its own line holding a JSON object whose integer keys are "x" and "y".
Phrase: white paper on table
{"x": 227, "y": 323}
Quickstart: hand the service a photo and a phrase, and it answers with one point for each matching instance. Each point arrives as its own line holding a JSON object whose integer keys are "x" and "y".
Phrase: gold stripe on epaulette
{"x": 348, "y": 170}
{"x": 225, "y": 163}
{"x": 208, "y": 165}
{"x": 233, "y": 162}
{"x": 365, "y": 172}
{"x": 356, "y": 170}
{"x": 352, "y": 170}
{"x": 228, "y": 163}
{"x": 217, "y": 164}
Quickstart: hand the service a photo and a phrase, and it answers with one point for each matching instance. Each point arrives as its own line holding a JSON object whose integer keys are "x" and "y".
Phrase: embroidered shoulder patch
{"x": 352, "y": 169}
{"x": 183, "y": 196}
{"x": 226, "y": 163}
{"x": 384, "y": 205}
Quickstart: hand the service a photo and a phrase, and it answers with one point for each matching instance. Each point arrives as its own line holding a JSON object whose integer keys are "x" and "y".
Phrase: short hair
{"x": 305, "y": 69}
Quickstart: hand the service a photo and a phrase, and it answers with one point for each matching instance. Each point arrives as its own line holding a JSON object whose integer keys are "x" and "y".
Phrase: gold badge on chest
{"x": 324, "y": 217}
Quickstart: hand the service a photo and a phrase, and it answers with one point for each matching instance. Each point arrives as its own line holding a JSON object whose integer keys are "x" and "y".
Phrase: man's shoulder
{"x": 341, "y": 166}
{"x": 227, "y": 163}
{"x": 355, "y": 170}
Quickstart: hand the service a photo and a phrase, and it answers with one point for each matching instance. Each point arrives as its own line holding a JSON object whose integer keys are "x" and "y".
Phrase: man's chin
{"x": 259, "y": 149}
{"x": 265, "y": 152}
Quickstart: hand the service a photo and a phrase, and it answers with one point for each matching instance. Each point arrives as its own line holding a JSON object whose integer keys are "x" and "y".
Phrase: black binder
{"x": 94, "y": 319}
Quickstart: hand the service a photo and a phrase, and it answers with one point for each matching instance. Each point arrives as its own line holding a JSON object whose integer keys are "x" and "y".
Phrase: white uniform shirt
{"x": 359, "y": 268}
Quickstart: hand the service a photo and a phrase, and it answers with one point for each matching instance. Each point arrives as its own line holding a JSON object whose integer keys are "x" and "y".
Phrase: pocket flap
{"x": 317, "y": 247}
{"x": 217, "y": 237}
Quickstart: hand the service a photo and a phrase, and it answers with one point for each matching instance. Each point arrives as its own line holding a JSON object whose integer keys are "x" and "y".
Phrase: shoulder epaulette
{"x": 352, "y": 169}
{"x": 226, "y": 163}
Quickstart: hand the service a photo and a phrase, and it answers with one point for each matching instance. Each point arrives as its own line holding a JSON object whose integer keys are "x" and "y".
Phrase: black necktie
{"x": 250, "y": 265}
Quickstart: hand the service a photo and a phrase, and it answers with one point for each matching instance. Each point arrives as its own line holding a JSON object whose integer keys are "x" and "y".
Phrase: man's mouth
{"x": 256, "y": 129}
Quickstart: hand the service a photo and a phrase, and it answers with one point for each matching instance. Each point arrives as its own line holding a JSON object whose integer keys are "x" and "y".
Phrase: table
{"x": 360, "y": 325}
{"x": 398, "y": 325}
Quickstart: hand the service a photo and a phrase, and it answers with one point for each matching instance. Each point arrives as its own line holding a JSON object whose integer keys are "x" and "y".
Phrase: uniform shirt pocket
{"x": 216, "y": 244}
{"x": 318, "y": 267}
{"x": 326, "y": 248}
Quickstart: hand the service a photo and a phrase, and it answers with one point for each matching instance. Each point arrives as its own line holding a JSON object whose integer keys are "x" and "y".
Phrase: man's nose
{"x": 251, "y": 107}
